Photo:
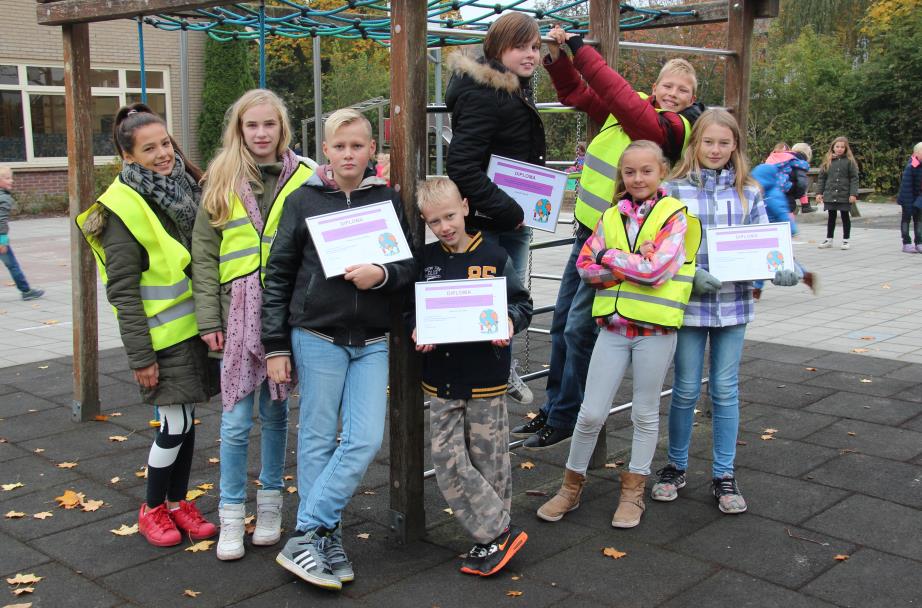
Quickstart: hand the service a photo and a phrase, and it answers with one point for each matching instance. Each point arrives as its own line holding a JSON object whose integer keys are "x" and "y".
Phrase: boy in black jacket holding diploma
{"x": 466, "y": 383}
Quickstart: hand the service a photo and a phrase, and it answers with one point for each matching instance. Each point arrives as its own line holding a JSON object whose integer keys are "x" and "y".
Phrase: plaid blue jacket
{"x": 711, "y": 196}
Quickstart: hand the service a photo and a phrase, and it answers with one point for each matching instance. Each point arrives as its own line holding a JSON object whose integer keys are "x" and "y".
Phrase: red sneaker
{"x": 157, "y": 526}
{"x": 188, "y": 519}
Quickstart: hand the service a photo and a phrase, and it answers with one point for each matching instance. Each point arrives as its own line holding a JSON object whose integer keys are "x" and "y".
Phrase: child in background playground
{"x": 910, "y": 199}
{"x": 245, "y": 190}
{"x": 493, "y": 112}
{"x": 383, "y": 167}
{"x": 664, "y": 118}
{"x": 837, "y": 189}
{"x": 336, "y": 328}
{"x": 580, "y": 159}
{"x": 141, "y": 233}
{"x": 466, "y": 383}
{"x": 6, "y": 251}
{"x": 792, "y": 173}
{"x": 713, "y": 181}
{"x": 800, "y": 179}
{"x": 631, "y": 260}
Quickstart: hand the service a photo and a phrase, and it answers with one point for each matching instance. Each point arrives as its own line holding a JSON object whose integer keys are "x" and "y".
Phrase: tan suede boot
{"x": 630, "y": 505}
{"x": 566, "y": 499}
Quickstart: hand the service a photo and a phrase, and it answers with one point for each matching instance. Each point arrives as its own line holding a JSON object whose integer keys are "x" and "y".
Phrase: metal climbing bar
{"x": 141, "y": 61}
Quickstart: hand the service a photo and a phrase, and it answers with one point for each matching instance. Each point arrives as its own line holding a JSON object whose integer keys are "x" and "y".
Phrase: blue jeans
{"x": 573, "y": 334}
{"x": 15, "y": 271}
{"x": 516, "y": 243}
{"x": 336, "y": 380}
{"x": 723, "y": 386}
{"x": 235, "y": 440}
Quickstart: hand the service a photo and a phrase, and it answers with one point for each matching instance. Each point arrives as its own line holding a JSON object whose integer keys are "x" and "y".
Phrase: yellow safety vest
{"x": 166, "y": 291}
{"x": 663, "y": 305}
{"x": 600, "y": 170}
{"x": 243, "y": 249}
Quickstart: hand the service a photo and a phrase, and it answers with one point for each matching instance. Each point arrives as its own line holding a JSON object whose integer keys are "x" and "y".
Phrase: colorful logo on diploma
{"x": 775, "y": 260}
{"x": 388, "y": 244}
{"x": 543, "y": 211}
{"x": 489, "y": 321}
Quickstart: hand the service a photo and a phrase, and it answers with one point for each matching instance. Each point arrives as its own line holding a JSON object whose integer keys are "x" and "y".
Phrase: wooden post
{"x": 739, "y": 38}
{"x": 408, "y": 164}
{"x": 80, "y": 194}
{"x": 604, "y": 26}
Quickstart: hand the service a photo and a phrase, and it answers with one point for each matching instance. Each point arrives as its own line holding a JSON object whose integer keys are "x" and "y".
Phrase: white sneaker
{"x": 844, "y": 244}
{"x": 827, "y": 244}
{"x": 230, "y": 541}
{"x": 517, "y": 388}
{"x": 268, "y": 517}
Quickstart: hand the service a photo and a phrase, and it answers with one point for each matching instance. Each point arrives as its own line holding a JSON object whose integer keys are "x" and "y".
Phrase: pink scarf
{"x": 244, "y": 365}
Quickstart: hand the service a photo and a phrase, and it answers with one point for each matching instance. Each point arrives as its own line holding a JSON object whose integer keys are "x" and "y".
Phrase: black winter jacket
{"x": 910, "y": 194}
{"x": 472, "y": 369}
{"x": 296, "y": 292}
{"x": 491, "y": 113}
{"x": 799, "y": 183}
{"x": 837, "y": 183}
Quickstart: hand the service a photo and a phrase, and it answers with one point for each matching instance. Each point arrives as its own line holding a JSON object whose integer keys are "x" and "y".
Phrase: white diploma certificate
{"x": 537, "y": 190}
{"x": 471, "y": 310}
{"x": 371, "y": 234}
{"x": 749, "y": 252}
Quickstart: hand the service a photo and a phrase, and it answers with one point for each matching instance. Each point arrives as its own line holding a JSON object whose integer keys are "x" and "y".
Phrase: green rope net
{"x": 370, "y": 19}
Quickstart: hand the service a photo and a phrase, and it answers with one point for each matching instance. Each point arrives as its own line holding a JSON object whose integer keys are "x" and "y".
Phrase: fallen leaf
{"x": 14, "y": 514}
{"x": 66, "y": 465}
{"x": 100, "y": 418}
{"x": 115, "y": 414}
{"x": 868, "y": 338}
{"x": 191, "y": 593}
{"x": 741, "y": 442}
{"x": 841, "y": 558}
{"x": 513, "y": 593}
{"x": 43, "y": 515}
{"x": 859, "y": 350}
{"x": 26, "y": 605}
{"x": 92, "y": 505}
{"x": 515, "y": 578}
{"x": 214, "y": 460}
{"x": 363, "y": 535}
{"x": 527, "y": 465}
{"x": 70, "y": 499}
{"x": 613, "y": 553}
{"x": 885, "y": 286}
{"x": 115, "y": 479}
{"x": 866, "y": 381}
{"x": 12, "y": 486}
{"x": 611, "y": 465}
{"x": 770, "y": 431}
{"x": 290, "y": 477}
{"x": 810, "y": 369}
{"x": 449, "y": 511}
{"x": 142, "y": 473}
{"x": 196, "y": 421}
{"x": 852, "y": 433}
{"x": 257, "y": 483}
{"x": 20, "y": 590}
{"x": 205, "y": 486}
{"x": 38, "y": 450}
{"x": 153, "y": 424}
{"x": 370, "y": 493}
{"x": 535, "y": 493}
{"x": 193, "y": 494}
{"x": 248, "y": 526}
{"x": 125, "y": 530}
{"x": 118, "y": 438}
{"x": 767, "y": 437}
{"x": 202, "y": 545}
{"x": 24, "y": 579}
{"x": 50, "y": 322}
{"x": 291, "y": 490}
{"x": 531, "y": 415}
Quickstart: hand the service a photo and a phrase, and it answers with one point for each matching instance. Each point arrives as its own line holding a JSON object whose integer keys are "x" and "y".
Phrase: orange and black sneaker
{"x": 498, "y": 552}
{"x": 473, "y": 561}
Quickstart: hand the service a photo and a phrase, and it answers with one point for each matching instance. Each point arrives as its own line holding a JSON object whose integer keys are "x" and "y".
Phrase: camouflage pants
{"x": 470, "y": 451}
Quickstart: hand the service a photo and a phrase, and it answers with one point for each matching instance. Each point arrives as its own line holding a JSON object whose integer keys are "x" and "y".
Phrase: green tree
{"x": 227, "y": 77}
{"x": 838, "y": 18}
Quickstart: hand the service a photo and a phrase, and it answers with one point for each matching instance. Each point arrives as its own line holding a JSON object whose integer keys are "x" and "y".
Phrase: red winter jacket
{"x": 601, "y": 91}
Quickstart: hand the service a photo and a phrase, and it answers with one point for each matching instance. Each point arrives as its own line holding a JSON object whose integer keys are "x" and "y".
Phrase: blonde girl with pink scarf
{"x": 245, "y": 185}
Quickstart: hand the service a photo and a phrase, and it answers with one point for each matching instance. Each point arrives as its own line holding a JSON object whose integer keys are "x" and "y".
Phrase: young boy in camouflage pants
{"x": 466, "y": 383}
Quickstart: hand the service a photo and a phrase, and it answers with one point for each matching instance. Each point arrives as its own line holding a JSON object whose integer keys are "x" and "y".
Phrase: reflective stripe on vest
{"x": 243, "y": 249}
{"x": 166, "y": 291}
{"x": 596, "y": 189}
{"x": 664, "y": 305}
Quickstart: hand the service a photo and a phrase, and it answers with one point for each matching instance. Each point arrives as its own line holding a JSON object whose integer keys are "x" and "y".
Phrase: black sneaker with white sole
{"x": 547, "y": 437}
{"x": 529, "y": 427}
{"x": 305, "y": 557}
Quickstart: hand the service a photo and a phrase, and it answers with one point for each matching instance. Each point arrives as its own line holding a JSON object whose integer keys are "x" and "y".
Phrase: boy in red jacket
{"x": 665, "y": 117}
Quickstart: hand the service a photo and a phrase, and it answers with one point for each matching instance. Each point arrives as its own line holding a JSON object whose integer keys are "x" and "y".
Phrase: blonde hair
{"x": 435, "y": 189}
{"x": 827, "y": 160}
{"x": 648, "y": 146}
{"x": 804, "y": 148}
{"x": 234, "y": 162}
{"x": 6, "y": 171}
{"x": 781, "y": 147}
{"x": 689, "y": 162}
{"x": 509, "y": 31}
{"x": 678, "y": 65}
{"x": 341, "y": 118}
{"x": 917, "y": 150}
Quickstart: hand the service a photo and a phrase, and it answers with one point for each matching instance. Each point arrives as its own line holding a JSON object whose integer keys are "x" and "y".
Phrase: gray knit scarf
{"x": 176, "y": 194}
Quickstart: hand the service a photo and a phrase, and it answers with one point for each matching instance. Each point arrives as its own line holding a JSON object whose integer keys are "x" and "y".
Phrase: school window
{"x": 33, "y": 125}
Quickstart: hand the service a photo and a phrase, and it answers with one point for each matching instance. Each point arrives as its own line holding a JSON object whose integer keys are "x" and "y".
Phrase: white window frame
{"x": 121, "y": 91}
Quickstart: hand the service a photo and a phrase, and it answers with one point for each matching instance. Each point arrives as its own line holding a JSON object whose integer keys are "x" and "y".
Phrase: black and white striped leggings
{"x": 170, "y": 459}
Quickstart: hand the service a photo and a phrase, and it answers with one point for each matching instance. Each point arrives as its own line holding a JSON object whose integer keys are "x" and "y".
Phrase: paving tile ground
{"x": 842, "y": 476}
